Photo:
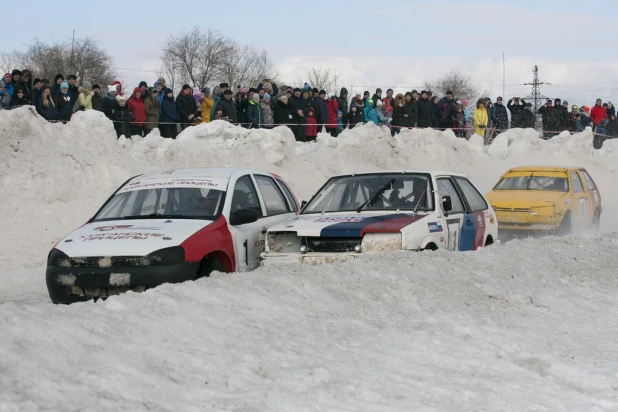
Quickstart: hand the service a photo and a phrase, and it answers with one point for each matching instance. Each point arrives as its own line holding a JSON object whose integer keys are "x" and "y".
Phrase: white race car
{"x": 377, "y": 212}
{"x": 169, "y": 226}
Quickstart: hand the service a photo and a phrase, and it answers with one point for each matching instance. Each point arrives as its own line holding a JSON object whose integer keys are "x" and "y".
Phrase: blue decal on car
{"x": 434, "y": 227}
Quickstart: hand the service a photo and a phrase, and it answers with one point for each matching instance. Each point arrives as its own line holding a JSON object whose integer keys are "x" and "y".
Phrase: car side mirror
{"x": 243, "y": 217}
{"x": 303, "y": 204}
{"x": 447, "y": 204}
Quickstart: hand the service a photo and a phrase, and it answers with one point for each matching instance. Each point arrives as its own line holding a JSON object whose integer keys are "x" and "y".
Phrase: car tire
{"x": 596, "y": 222}
{"x": 565, "y": 226}
{"x": 208, "y": 266}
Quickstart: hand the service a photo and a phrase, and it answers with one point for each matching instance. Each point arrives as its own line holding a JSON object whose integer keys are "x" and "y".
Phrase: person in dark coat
{"x": 399, "y": 119}
{"x": 446, "y": 107}
{"x": 97, "y": 100}
{"x": 122, "y": 118}
{"x": 322, "y": 113}
{"x": 73, "y": 89}
{"x": 546, "y": 114}
{"x": 169, "y": 118}
{"x": 425, "y": 111}
{"x": 612, "y": 127}
{"x": 19, "y": 98}
{"x": 228, "y": 106}
{"x": 500, "y": 118}
{"x": 110, "y": 102}
{"x": 435, "y": 118}
{"x": 356, "y": 116}
{"x": 410, "y": 110}
{"x": 342, "y": 100}
{"x": 516, "y": 106}
{"x": 46, "y": 106}
{"x": 254, "y": 113}
{"x": 297, "y": 106}
{"x": 283, "y": 111}
{"x": 186, "y": 106}
{"x": 376, "y": 96}
{"x": 57, "y": 82}
{"x": 35, "y": 94}
{"x": 528, "y": 119}
{"x": 16, "y": 83}
{"x": 63, "y": 103}
{"x": 242, "y": 104}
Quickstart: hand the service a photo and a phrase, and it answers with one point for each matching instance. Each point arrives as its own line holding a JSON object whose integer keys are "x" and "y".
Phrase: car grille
{"x": 512, "y": 210}
{"x": 104, "y": 262}
{"x": 331, "y": 245}
{"x": 105, "y": 292}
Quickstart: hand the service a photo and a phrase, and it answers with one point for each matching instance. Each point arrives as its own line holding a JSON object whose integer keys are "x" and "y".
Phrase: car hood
{"x": 129, "y": 237}
{"x": 347, "y": 225}
{"x": 522, "y": 198}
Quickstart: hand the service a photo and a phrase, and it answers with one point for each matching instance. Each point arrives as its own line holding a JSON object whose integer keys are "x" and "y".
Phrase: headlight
{"x": 283, "y": 242}
{"x": 542, "y": 210}
{"x": 168, "y": 256}
{"x": 58, "y": 258}
{"x": 381, "y": 242}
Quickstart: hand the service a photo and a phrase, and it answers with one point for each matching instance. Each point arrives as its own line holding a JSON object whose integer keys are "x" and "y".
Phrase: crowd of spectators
{"x": 305, "y": 110}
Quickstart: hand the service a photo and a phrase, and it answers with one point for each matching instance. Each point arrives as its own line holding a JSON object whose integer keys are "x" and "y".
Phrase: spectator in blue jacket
{"x": 168, "y": 122}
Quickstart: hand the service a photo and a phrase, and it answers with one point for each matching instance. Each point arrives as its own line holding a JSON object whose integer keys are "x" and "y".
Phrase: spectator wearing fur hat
{"x": 63, "y": 103}
{"x": 151, "y": 107}
{"x": 35, "y": 95}
{"x": 58, "y": 79}
{"x": 144, "y": 88}
{"x": 73, "y": 89}
{"x": 138, "y": 112}
{"x": 169, "y": 117}
{"x": 186, "y": 107}
{"x": 45, "y": 106}
{"x": 122, "y": 118}
{"x": 110, "y": 102}
{"x": 84, "y": 99}
{"x": 228, "y": 107}
{"x": 97, "y": 99}
{"x": 207, "y": 104}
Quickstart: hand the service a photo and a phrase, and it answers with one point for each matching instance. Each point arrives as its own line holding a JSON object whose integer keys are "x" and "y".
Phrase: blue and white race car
{"x": 386, "y": 211}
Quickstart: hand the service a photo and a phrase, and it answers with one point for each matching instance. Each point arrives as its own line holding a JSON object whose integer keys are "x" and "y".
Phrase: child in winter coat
{"x": 197, "y": 95}
{"x": 219, "y": 115}
{"x": 459, "y": 121}
{"x": 311, "y": 127}
{"x": 382, "y": 118}
{"x": 355, "y": 116}
{"x": 63, "y": 102}
{"x": 370, "y": 113}
{"x": 267, "y": 112}
{"x": 578, "y": 123}
{"x": 600, "y": 134}
{"x": 206, "y": 106}
{"x": 339, "y": 122}
{"x": 122, "y": 118}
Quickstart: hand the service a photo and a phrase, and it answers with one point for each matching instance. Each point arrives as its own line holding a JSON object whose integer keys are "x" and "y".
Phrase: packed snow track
{"x": 527, "y": 325}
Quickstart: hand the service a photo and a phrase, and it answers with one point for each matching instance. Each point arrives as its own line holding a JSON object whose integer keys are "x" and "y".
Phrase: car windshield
{"x": 172, "y": 202}
{"x": 533, "y": 182}
{"x": 396, "y": 191}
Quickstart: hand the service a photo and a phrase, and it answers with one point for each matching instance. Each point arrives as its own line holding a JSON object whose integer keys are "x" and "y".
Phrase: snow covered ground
{"x": 529, "y": 325}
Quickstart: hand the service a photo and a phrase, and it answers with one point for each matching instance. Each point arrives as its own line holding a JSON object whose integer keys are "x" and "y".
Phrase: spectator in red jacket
{"x": 311, "y": 126}
{"x": 331, "y": 114}
{"x": 598, "y": 113}
{"x": 138, "y": 112}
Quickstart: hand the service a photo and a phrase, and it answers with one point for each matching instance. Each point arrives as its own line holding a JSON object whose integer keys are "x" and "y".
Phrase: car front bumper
{"x": 308, "y": 258}
{"x": 78, "y": 284}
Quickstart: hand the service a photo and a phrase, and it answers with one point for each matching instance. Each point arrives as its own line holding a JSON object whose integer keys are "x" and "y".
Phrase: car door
{"x": 477, "y": 208}
{"x": 460, "y": 233}
{"x": 247, "y": 237}
{"x": 593, "y": 201}
{"x": 278, "y": 206}
{"x": 582, "y": 202}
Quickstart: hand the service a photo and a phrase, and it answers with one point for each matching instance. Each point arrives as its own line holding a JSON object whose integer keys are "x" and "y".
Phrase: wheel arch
{"x": 224, "y": 258}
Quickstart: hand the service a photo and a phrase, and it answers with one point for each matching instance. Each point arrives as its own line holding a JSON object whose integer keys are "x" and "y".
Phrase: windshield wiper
{"x": 375, "y": 195}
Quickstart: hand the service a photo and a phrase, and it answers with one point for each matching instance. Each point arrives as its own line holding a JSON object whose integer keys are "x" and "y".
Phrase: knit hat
{"x": 196, "y": 91}
{"x": 449, "y": 92}
{"x": 112, "y": 89}
{"x": 119, "y": 98}
{"x": 548, "y": 101}
{"x": 414, "y": 91}
{"x": 64, "y": 85}
{"x": 16, "y": 72}
{"x": 297, "y": 89}
{"x": 458, "y": 102}
{"x": 206, "y": 90}
{"x": 37, "y": 80}
{"x": 222, "y": 85}
{"x": 71, "y": 76}
{"x": 7, "y": 75}
{"x": 331, "y": 94}
{"x": 378, "y": 90}
{"x": 256, "y": 98}
{"x": 315, "y": 90}
{"x": 322, "y": 92}
{"x": 464, "y": 102}
{"x": 86, "y": 84}
{"x": 228, "y": 92}
{"x": 143, "y": 83}
{"x": 185, "y": 86}
{"x": 96, "y": 86}
{"x": 58, "y": 76}
{"x": 565, "y": 102}
{"x": 266, "y": 96}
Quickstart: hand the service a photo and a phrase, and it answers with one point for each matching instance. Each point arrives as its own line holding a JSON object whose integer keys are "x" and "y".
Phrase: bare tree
{"x": 430, "y": 86}
{"x": 460, "y": 84}
{"x": 322, "y": 78}
{"x": 247, "y": 65}
{"x": 84, "y": 58}
{"x": 9, "y": 61}
{"x": 170, "y": 71}
{"x": 196, "y": 56}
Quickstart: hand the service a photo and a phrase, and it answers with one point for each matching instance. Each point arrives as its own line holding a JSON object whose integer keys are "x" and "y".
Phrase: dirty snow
{"x": 528, "y": 325}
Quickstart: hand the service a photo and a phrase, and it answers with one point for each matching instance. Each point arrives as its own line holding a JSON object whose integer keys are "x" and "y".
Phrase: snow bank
{"x": 529, "y": 325}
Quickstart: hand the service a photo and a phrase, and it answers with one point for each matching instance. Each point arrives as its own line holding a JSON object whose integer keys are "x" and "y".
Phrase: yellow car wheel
{"x": 596, "y": 222}
{"x": 565, "y": 226}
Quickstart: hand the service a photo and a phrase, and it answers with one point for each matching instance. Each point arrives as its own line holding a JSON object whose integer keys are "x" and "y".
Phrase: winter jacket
{"x": 546, "y": 113}
{"x": 49, "y": 112}
{"x": 16, "y": 85}
{"x": 611, "y": 110}
{"x": 528, "y": 119}
{"x": 85, "y": 98}
{"x": 311, "y": 127}
{"x": 612, "y": 129}
{"x": 490, "y": 115}
{"x": 371, "y": 115}
{"x": 267, "y": 114}
{"x": 169, "y": 113}
{"x": 122, "y": 121}
{"x": 296, "y": 104}
{"x": 137, "y": 109}
{"x": 206, "y": 107}
{"x": 97, "y": 102}
{"x": 517, "y": 113}
{"x": 398, "y": 115}
{"x": 411, "y": 110}
{"x": 35, "y": 96}
{"x": 585, "y": 120}
{"x": 343, "y": 104}
{"x": 254, "y": 115}
{"x": 382, "y": 118}
{"x": 216, "y": 98}
{"x": 480, "y": 121}
{"x": 331, "y": 113}
{"x": 229, "y": 109}
{"x": 283, "y": 113}
{"x": 459, "y": 120}
{"x": 74, "y": 93}
{"x": 321, "y": 111}
{"x": 17, "y": 102}
{"x": 597, "y": 114}
{"x": 425, "y": 113}
{"x": 64, "y": 107}
{"x": 578, "y": 126}
{"x": 109, "y": 104}
{"x": 4, "y": 100}
{"x": 185, "y": 105}
{"x": 8, "y": 90}
{"x": 160, "y": 96}
{"x": 500, "y": 118}
{"x": 435, "y": 115}
{"x": 355, "y": 116}
{"x": 242, "y": 104}
{"x": 151, "y": 107}
{"x": 446, "y": 108}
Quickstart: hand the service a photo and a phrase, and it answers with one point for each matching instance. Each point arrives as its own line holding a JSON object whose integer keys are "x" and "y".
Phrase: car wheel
{"x": 565, "y": 226}
{"x": 596, "y": 222}
{"x": 208, "y": 266}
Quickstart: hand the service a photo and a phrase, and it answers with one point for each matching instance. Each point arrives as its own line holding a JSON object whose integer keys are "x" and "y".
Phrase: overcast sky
{"x": 370, "y": 44}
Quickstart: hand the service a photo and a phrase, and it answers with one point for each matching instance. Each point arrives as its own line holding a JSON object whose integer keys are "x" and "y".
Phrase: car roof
{"x": 543, "y": 169}
{"x": 218, "y": 172}
{"x": 381, "y": 172}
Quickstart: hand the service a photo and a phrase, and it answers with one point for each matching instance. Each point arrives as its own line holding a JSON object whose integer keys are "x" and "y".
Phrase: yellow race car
{"x": 561, "y": 200}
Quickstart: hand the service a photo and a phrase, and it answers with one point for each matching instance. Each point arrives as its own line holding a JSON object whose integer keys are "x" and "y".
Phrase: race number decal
{"x": 582, "y": 207}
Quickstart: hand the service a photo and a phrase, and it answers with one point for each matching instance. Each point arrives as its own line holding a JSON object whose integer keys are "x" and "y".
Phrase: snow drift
{"x": 526, "y": 325}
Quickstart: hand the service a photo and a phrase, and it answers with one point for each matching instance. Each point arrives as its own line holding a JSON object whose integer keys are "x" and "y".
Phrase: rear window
{"x": 533, "y": 182}
{"x": 589, "y": 182}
